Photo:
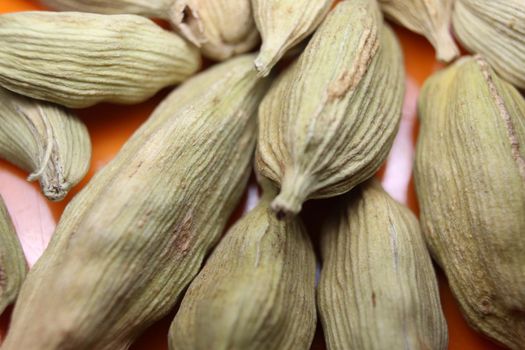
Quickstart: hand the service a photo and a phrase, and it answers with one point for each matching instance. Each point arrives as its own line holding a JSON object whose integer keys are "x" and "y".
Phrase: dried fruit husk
{"x": 431, "y": 18}
{"x": 79, "y": 59}
{"x": 283, "y": 24}
{"x": 470, "y": 181}
{"x": 328, "y": 122}
{"x": 378, "y": 289}
{"x": 46, "y": 140}
{"x": 133, "y": 239}
{"x": 221, "y": 28}
{"x": 149, "y": 8}
{"x": 256, "y": 291}
{"x": 496, "y": 30}
{"x": 13, "y": 265}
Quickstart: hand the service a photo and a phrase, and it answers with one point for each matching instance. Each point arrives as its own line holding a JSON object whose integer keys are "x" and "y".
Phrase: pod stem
{"x": 268, "y": 57}
{"x": 294, "y": 191}
{"x": 446, "y": 48}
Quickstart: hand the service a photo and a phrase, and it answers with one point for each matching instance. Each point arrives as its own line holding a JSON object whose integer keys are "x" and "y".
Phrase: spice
{"x": 221, "y": 28}
{"x": 496, "y": 30}
{"x": 378, "y": 289}
{"x": 470, "y": 181}
{"x": 132, "y": 240}
{"x": 283, "y": 24}
{"x": 79, "y": 59}
{"x": 431, "y": 18}
{"x": 256, "y": 291}
{"x": 46, "y": 140}
{"x": 329, "y": 121}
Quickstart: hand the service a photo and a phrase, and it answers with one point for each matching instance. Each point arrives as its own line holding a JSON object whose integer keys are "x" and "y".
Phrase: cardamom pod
{"x": 496, "y": 30}
{"x": 283, "y": 24}
{"x": 430, "y": 18}
{"x": 148, "y": 8}
{"x": 133, "y": 239}
{"x": 12, "y": 262}
{"x": 45, "y": 140}
{"x": 256, "y": 291}
{"x": 329, "y": 121}
{"x": 221, "y": 28}
{"x": 79, "y": 59}
{"x": 378, "y": 289}
{"x": 470, "y": 181}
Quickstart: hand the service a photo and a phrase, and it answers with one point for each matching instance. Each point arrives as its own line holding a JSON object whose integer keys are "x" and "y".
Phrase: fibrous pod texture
{"x": 470, "y": 181}
{"x": 79, "y": 59}
{"x": 133, "y": 239}
{"x": 46, "y": 140}
{"x": 329, "y": 121}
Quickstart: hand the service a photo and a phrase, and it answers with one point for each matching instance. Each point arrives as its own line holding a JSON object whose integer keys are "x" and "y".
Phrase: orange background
{"x": 110, "y": 126}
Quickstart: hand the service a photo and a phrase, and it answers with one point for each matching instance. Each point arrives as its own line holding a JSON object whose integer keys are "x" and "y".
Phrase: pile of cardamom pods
{"x": 315, "y": 111}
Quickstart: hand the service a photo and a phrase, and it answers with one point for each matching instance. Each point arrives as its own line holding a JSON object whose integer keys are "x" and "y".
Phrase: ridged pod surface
{"x": 256, "y": 291}
{"x": 221, "y": 28}
{"x": 12, "y": 262}
{"x": 470, "y": 181}
{"x": 283, "y": 24}
{"x": 378, "y": 289}
{"x": 46, "y": 140}
{"x": 133, "y": 239}
{"x": 431, "y": 18}
{"x": 79, "y": 59}
{"x": 496, "y": 30}
{"x": 329, "y": 121}
{"x": 149, "y": 8}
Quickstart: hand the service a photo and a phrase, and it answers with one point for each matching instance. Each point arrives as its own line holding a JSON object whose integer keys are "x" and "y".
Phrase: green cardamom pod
{"x": 378, "y": 289}
{"x": 496, "y": 30}
{"x": 12, "y": 262}
{"x": 329, "y": 121}
{"x": 45, "y": 140}
{"x": 283, "y": 24}
{"x": 221, "y": 28}
{"x": 470, "y": 181}
{"x": 149, "y": 8}
{"x": 431, "y": 18}
{"x": 256, "y": 291}
{"x": 79, "y": 59}
{"x": 132, "y": 240}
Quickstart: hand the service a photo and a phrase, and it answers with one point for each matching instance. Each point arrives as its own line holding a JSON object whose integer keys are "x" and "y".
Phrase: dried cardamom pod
{"x": 470, "y": 181}
{"x": 133, "y": 239}
{"x": 79, "y": 59}
{"x": 221, "y": 28}
{"x": 329, "y": 121}
{"x": 149, "y": 8}
{"x": 430, "y": 18}
{"x": 496, "y": 30}
{"x": 256, "y": 291}
{"x": 283, "y": 24}
{"x": 45, "y": 140}
{"x": 378, "y": 289}
{"x": 12, "y": 262}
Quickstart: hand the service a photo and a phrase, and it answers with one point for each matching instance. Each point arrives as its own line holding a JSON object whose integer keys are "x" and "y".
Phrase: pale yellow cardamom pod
{"x": 132, "y": 240}
{"x": 283, "y": 24}
{"x": 12, "y": 262}
{"x": 45, "y": 140}
{"x": 329, "y": 121}
{"x": 256, "y": 291}
{"x": 378, "y": 289}
{"x": 431, "y": 18}
{"x": 79, "y": 59}
{"x": 149, "y": 8}
{"x": 221, "y": 28}
{"x": 470, "y": 181}
{"x": 496, "y": 30}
